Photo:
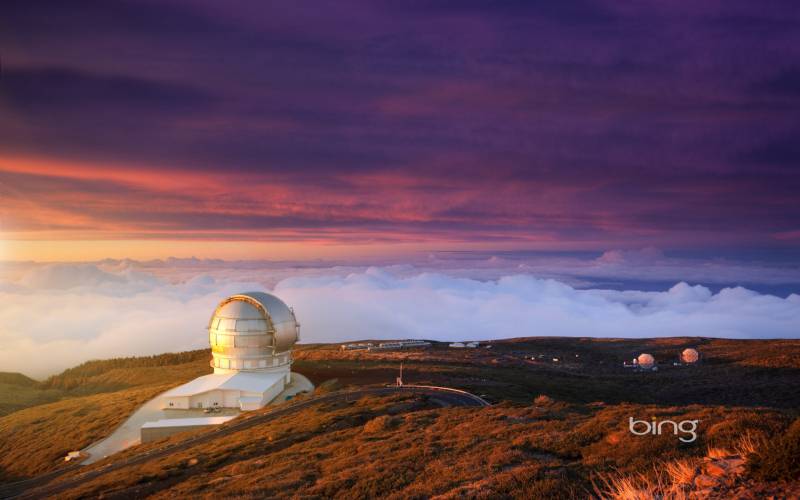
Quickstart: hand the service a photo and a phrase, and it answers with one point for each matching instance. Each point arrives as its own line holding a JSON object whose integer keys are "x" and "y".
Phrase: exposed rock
{"x": 702, "y": 494}
{"x": 736, "y": 466}
{"x": 716, "y": 468}
{"x": 703, "y": 481}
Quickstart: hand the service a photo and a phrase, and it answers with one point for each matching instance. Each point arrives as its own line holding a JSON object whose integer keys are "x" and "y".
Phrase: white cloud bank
{"x": 56, "y": 316}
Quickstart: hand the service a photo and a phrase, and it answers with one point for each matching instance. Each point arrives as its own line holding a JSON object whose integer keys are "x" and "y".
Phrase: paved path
{"x": 129, "y": 433}
{"x": 40, "y": 487}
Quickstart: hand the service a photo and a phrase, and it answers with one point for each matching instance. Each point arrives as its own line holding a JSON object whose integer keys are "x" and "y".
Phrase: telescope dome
{"x": 690, "y": 356}
{"x": 646, "y": 360}
{"x": 252, "y": 331}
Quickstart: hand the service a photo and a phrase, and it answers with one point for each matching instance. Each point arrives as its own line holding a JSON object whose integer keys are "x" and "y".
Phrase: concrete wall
{"x": 176, "y": 402}
{"x": 223, "y": 398}
{"x": 268, "y": 396}
{"x": 214, "y": 399}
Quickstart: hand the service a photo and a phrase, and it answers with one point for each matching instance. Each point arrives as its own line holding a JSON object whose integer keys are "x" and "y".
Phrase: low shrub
{"x": 778, "y": 458}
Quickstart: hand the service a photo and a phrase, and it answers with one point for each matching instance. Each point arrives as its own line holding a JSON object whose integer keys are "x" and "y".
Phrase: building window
{"x": 171, "y": 403}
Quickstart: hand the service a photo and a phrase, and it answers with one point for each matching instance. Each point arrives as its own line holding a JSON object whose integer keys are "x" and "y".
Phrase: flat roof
{"x": 236, "y": 381}
{"x": 187, "y": 422}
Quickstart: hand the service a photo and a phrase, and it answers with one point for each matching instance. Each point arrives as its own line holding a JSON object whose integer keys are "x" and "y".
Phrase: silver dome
{"x": 285, "y": 329}
{"x": 252, "y": 331}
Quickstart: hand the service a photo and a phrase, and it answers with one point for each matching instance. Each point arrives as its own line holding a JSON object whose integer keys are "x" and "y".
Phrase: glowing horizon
{"x": 317, "y": 141}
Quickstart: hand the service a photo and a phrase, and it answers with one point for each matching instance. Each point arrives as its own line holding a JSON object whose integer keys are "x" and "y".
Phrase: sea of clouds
{"x": 55, "y": 316}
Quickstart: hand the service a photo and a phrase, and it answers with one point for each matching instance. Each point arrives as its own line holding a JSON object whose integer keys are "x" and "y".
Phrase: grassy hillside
{"x": 93, "y": 377}
{"x": 35, "y": 439}
{"x": 17, "y": 379}
{"x": 555, "y": 447}
{"x": 395, "y": 448}
{"x": 120, "y": 373}
{"x": 732, "y": 372}
{"x": 18, "y": 391}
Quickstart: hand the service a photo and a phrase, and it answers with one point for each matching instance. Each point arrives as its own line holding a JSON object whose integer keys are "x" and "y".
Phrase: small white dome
{"x": 646, "y": 360}
{"x": 690, "y": 356}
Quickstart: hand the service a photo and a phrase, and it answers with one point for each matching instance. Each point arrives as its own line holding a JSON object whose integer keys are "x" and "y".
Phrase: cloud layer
{"x": 58, "y": 315}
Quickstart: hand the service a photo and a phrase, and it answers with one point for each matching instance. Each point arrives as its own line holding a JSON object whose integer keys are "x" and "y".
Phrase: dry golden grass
{"x": 716, "y": 452}
{"x": 34, "y": 440}
{"x": 671, "y": 480}
{"x": 625, "y": 487}
{"x": 681, "y": 472}
{"x": 748, "y": 444}
{"x": 382, "y": 447}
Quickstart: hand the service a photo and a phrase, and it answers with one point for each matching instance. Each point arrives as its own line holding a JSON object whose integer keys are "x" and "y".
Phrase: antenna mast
{"x": 400, "y": 378}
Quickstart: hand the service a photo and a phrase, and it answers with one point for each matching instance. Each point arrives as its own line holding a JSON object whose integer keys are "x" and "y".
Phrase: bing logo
{"x": 656, "y": 427}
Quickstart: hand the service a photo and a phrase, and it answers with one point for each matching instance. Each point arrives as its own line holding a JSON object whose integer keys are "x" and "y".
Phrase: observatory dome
{"x": 690, "y": 356}
{"x": 646, "y": 360}
{"x": 252, "y": 331}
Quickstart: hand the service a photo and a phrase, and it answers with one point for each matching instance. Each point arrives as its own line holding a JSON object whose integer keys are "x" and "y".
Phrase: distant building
{"x": 461, "y": 345}
{"x": 355, "y": 347}
{"x": 386, "y": 346}
{"x": 411, "y": 343}
{"x": 400, "y": 344}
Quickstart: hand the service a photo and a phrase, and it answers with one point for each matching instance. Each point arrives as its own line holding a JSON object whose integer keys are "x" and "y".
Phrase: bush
{"x": 778, "y": 458}
{"x": 381, "y": 423}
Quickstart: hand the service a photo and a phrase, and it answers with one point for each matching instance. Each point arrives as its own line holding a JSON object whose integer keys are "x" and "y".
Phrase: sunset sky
{"x": 245, "y": 130}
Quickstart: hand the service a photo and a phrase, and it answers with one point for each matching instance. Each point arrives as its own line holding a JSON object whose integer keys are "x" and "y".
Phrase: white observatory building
{"x": 251, "y": 336}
